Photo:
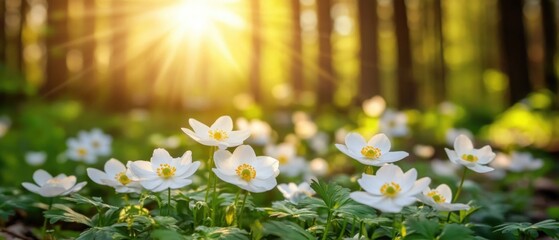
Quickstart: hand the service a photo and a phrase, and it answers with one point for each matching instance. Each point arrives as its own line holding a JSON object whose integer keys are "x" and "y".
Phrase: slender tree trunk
{"x": 118, "y": 75}
{"x": 256, "y": 50}
{"x": 550, "y": 43}
{"x": 406, "y": 84}
{"x": 297, "y": 48}
{"x": 368, "y": 28}
{"x": 57, "y": 71}
{"x": 326, "y": 72}
{"x": 90, "y": 91}
{"x": 513, "y": 43}
{"x": 440, "y": 77}
{"x": 3, "y": 40}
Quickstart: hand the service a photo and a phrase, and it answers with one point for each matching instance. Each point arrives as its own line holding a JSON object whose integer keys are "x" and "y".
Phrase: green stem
{"x": 360, "y": 230}
{"x": 395, "y": 226}
{"x": 458, "y": 191}
{"x": 210, "y": 176}
{"x": 168, "y": 201}
{"x": 235, "y": 221}
{"x": 241, "y": 209}
{"x": 352, "y": 228}
{"x": 343, "y": 229}
{"x": 45, "y": 221}
{"x": 328, "y": 221}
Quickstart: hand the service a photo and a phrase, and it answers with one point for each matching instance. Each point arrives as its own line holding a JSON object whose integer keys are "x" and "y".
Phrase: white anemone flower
{"x": 116, "y": 175}
{"x": 440, "y": 198}
{"x": 290, "y": 164}
{"x": 80, "y": 150}
{"x": 375, "y": 152}
{"x": 319, "y": 143}
{"x": 48, "y": 186}
{"x": 163, "y": 171}
{"x": 244, "y": 169}
{"x": 390, "y": 189}
{"x": 295, "y": 193}
{"x": 260, "y": 131}
{"x": 99, "y": 142}
{"x": 520, "y": 161}
{"x": 35, "y": 158}
{"x": 220, "y": 134}
{"x": 394, "y": 123}
{"x": 465, "y": 154}
{"x": 453, "y": 133}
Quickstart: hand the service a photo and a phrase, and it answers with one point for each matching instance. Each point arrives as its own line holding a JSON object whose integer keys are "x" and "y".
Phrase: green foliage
{"x": 286, "y": 230}
{"x": 10, "y": 200}
{"x": 232, "y": 233}
{"x": 285, "y": 209}
{"x": 61, "y": 212}
{"x": 531, "y": 231}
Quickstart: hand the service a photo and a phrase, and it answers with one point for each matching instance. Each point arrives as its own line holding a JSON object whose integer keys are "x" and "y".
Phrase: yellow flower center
{"x": 436, "y": 196}
{"x": 218, "y": 135}
{"x": 390, "y": 189}
{"x": 246, "y": 172}
{"x": 370, "y": 152}
{"x": 166, "y": 171}
{"x": 469, "y": 158}
{"x": 82, "y": 152}
{"x": 122, "y": 178}
{"x": 282, "y": 159}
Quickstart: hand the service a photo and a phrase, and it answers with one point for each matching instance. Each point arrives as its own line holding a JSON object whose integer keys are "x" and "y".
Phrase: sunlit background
{"x": 197, "y": 53}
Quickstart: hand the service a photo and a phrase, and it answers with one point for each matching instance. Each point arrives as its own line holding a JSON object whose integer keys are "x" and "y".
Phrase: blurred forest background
{"x": 196, "y": 54}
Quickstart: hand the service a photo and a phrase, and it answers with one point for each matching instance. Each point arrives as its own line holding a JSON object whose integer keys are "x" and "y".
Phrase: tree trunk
{"x": 326, "y": 72}
{"x": 513, "y": 43}
{"x": 550, "y": 43}
{"x": 57, "y": 71}
{"x": 297, "y": 48}
{"x": 406, "y": 84}
{"x": 91, "y": 89}
{"x": 369, "y": 84}
{"x": 118, "y": 76}
{"x": 256, "y": 50}
{"x": 440, "y": 76}
{"x": 3, "y": 40}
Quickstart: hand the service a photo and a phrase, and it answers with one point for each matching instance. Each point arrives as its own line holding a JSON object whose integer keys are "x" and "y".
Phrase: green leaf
{"x": 421, "y": 228}
{"x": 456, "y": 231}
{"x": 334, "y": 196}
{"x": 286, "y": 230}
{"x": 284, "y": 209}
{"x": 165, "y": 234}
{"x": 64, "y": 213}
{"x": 94, "y": 201}
{"x": 96, "y": 233}
{"x": 221, "y": 233}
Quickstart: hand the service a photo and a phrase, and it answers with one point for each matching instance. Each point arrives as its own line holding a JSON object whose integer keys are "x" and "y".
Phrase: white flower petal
{"x": 365, "y": 198}
{"x": 224, "y": 123}
{"x": 265, "y": 167}
{"x": 264, "y": 185}
{"x": 408, "y": 180}
{"x": 142, "y": 169}
{"x": 463, "y": 145}
{"x": 452, "y": 156}
{"x": 244, "y": 154}
{"x": 51, "y": 191}
{"x": 199, "y": 128}
{"x": 233, "y": 179}
{"x": 31, "y": 187}
{"x": 485, "y": 155}
{"x": 389, "y": 172}
{"x": 390, "y": 157}
{"x": 223, "y": 161}
{"x": 160, "y": 156}
{"x": 75, "y": 188}
{"x": 445, "y": 191}
{"x": 481, "y": 169}
{"x": 113, "y": 167}
{"x": 180, "y": 182}
{"x": 371, "y": 183}
{"x": 381, "y": 142}
{"x": 41, "y": 177}
{"x": 151, "y": 184}
{"x": 187, "y": 171}
{"x": 96, "y": 175}
{"x": 404, "y": 200}
{"x": 238, "y": 137}
{"x": 355, "y": 142}
{"x": 419, "y": 186}
{"x": 388, "y": 205}
{"x": 191, "y": 134}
